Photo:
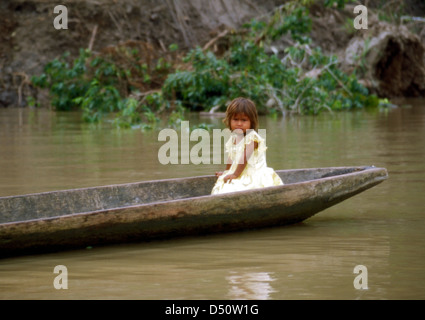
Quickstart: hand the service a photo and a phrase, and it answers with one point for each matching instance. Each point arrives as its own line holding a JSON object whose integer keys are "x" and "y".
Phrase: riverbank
{"x": 30, "y": 40}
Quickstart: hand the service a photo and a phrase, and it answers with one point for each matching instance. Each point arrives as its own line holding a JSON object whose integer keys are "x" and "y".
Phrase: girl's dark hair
{"x": 242, "y": 105}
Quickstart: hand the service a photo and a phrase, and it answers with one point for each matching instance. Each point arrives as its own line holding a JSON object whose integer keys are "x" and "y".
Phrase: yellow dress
{"x": 256, "y": 173}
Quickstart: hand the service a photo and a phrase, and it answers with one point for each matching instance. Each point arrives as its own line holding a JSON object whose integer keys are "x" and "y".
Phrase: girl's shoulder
{"x": 252, "y": 135}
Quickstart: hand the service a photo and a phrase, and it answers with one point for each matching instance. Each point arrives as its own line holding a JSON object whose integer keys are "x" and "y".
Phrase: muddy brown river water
{"x": 382, "y": 230}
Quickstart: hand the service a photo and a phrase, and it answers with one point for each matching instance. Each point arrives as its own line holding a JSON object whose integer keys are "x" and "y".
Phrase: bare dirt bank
{"x": 394, "y": 66}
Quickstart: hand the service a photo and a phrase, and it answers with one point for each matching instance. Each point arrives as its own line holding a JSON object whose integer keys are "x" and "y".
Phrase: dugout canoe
{"x": 115, "y": 214}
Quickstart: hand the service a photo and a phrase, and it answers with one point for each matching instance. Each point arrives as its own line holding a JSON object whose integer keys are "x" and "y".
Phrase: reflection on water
{"x": 249, "y": 285}
{"x": 382, "y": 228}
{"x": 296, "y": 262}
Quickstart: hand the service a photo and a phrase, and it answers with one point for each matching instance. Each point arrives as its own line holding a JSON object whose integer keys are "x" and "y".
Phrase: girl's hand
{"x": 229, "y": 177}
{"x": 217, "y": 174}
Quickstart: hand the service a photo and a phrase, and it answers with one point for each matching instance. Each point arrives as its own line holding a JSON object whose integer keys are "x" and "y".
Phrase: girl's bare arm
{"x": 249, "y": 149}
{"x": 228, "y": 165}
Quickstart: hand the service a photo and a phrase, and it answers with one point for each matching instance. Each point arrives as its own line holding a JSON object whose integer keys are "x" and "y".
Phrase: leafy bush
{"x": 65, "y": 83}
{"x": 303, "y": 81}
{"x": 138, "y": 86}
{"x": 100, "y": 86}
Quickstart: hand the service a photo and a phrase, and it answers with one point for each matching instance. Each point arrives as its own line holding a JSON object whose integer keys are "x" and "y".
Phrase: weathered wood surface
{"x": 166, "y": 208}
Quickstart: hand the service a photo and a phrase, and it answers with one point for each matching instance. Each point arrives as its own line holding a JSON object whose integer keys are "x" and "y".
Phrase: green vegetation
{"x": 100, "y": 86}
{"x": 302, "y": 81}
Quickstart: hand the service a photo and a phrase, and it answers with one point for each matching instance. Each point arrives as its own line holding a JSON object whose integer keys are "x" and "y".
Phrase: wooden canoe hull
{"x": 299, "y": 199}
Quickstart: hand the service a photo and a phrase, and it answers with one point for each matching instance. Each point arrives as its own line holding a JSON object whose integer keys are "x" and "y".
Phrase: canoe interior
{"x": 65, "y": 202}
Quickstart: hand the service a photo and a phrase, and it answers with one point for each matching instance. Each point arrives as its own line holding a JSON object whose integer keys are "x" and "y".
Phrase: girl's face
{"x": 240, "y": 121}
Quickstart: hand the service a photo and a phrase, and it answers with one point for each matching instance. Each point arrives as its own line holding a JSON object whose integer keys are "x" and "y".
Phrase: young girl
{"x": 246, "y": 167}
